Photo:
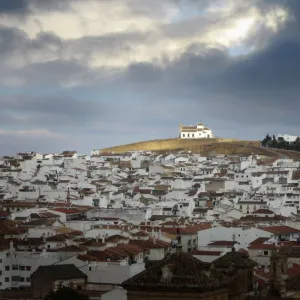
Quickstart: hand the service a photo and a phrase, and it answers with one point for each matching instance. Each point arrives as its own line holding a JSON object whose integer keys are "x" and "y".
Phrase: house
{"x": 287, "y": 138}
{"x": 283, "y": 233}
{"x": 50, "y": 278}
{"x": 195, "y": 132}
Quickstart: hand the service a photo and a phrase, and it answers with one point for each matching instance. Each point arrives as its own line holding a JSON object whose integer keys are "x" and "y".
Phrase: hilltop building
{"x": 288, "y": 138}
{"x": 195, "y": 132}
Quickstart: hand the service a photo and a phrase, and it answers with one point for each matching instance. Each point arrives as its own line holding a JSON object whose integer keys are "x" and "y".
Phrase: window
{"x": 188, "y": 135}
{"x": 7, "y": 268}
{"x": 27, "y": 279}
{"x": 22, "y": 279}
{"x": 6, "y": 279}
{"x": 0, "y": 283}
{"x": 22, "y": 268}
{"x": 193, "y": 135}
{"x": 266, "y": 252}
{"x": 183, "y": 135}
{"x": 28, "y": 268}
{"x": 15, "y": 278}
{"x": 15, "y": 267}
{"x": 0, "y": 260}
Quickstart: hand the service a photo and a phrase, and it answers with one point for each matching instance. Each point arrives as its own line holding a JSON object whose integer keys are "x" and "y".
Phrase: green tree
{"x": 296, "y": 145}
{"x": 266, "y": 141}
{"x": 282, "y": 144}
{"x": 274, "y": 143}
{"x": 65, "y": 293}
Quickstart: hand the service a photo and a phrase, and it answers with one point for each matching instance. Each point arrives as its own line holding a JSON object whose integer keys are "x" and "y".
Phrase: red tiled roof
{"x": 280, "y": 229}
{"x": 263, "y": 211}
{"x": 150, "y": 244}
{"x": 259, "y": 240}
{"x": 67, "y": 211}
{"x": 261, "y": 246}
{"x": 206, "y": 252}
{"x": 140, "y": 233}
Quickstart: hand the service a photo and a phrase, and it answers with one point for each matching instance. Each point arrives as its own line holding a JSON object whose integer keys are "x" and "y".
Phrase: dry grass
{"x": 205, "y": 146}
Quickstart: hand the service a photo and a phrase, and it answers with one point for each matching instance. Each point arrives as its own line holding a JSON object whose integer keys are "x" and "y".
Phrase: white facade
{"x": 195, "y": 132}
{"x": 287, "y": 138}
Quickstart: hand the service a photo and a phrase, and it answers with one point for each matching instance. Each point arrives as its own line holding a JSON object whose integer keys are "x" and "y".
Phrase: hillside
{"x": 205, "y": 147}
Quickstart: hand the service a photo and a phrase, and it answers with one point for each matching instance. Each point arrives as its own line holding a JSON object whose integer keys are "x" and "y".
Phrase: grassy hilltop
{"x": 203, "y": 146}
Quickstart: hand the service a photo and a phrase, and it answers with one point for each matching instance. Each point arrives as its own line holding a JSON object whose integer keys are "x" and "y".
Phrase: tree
{"x": 282, "y": 144}
{"x": 274, "y": 143}
{"x": 65, "y": 293}
{"x": 266, "y": 141}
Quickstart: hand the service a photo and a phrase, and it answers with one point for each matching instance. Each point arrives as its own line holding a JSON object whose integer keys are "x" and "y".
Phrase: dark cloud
{"x": 20, "y": 7}
{"x": 242, "y": 96}
{"x": 8, "y": 6}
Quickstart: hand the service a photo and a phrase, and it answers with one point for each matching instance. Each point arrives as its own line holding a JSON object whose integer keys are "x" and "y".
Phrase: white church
{"x": 195, "y": 132}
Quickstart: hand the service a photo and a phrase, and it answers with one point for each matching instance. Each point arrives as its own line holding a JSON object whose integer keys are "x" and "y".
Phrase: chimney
{"x": 68, "y": 198}
{"x": 103, "y": 239}
{"x": 97, "y": 238}
{"x": 154, "y": 240}
{"x": 11, "y": 245}
{"x": 178, "y": 248}
{"x": 166, "y": 274}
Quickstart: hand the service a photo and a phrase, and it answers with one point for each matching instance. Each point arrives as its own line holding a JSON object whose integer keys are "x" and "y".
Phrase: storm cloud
{"x": 83, "y": 74}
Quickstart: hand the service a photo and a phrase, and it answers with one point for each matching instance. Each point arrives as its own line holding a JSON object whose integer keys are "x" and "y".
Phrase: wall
{"x": 112, "y": 273}
{"x": 131, "y": 215}
{"x": 244, "y": 237}
{"x": 25, "y": 259}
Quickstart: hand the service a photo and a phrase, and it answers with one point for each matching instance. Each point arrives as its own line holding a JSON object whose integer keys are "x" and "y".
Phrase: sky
{"x": 88, "y": 74}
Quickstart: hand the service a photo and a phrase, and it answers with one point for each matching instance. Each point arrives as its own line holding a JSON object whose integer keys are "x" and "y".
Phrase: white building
{"x": 287, "y": 138}
{"x": 195, "y": 132}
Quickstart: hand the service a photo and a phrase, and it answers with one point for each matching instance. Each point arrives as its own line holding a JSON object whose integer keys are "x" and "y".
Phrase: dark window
{"x": 28, "y": 268}
{"x": 6, "y": 279}
{"x": 6, "y": 268}
{"x": 27, "y": 279}
{"x": 16, "y": 278}
{"x": 266, "y": 252}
